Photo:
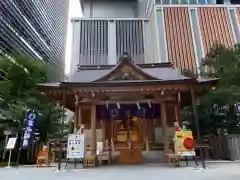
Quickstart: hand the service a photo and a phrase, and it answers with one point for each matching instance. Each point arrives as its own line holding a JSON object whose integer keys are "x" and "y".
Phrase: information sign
{"x": 75, "y": 149}
{"x": 11, "y": 143}
{"x": 184, "y": 144}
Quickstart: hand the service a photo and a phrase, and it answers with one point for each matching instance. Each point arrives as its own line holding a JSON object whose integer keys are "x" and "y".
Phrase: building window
{"x": 192, "y": 1}
{"x": 165, "y": 1}
{"x": 211, "y": 2}
{"x": 174, "y": 2}
{"x": 184, "y": 2}
{"x": 227, "y": 2}
{"x": 235, "y": 24}
{"x": 196, "y": 36}
{"x": 201, "y": 1}
{"x": 161, "y": 36}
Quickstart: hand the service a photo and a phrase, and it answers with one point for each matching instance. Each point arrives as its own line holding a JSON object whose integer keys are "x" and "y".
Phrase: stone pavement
{"x": 215, "y": 171}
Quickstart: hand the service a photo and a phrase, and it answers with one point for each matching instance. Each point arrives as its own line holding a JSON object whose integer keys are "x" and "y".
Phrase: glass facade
{"x": 161, "y": 36}
{"x": 202, "y": 1}
{"x": 35, "y": 29}
{"x": 196, "y": 35}
{"x": 192, "y": 1}
{"x": 174, "y": 1}
{"x": 185, "y": 1}
{"x": 235, "y": 24}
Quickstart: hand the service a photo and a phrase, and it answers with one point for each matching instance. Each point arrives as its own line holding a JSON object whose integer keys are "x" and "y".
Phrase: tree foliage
{"x": 217, "y": 108}
{"x": 19, "y": 92}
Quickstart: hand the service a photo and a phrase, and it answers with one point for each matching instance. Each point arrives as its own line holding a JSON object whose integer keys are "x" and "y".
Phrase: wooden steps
{"x": 121, "y": 145}
{"x": 155, "y": 146}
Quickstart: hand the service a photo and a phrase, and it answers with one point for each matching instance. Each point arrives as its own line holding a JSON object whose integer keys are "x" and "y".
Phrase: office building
{"x": 176, "y": 31}
{"x": 36, "y": 29}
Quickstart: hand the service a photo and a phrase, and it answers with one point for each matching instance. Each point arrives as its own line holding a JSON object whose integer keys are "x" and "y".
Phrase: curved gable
{"x": 126, "y": 69}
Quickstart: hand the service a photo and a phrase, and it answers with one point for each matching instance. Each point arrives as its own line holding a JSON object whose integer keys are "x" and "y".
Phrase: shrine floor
{"x": 215, "y": 171}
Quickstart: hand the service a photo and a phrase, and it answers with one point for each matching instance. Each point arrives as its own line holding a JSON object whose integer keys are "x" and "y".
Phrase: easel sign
{"x": 75, "y": 148}
{"x": 10, "y": 146}
{"x": 184, "y": 144}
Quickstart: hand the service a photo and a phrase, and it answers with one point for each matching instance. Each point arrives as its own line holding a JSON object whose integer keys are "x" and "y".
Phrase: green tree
{"x": 217, "y": 108}
{"x": 19, "y": 92}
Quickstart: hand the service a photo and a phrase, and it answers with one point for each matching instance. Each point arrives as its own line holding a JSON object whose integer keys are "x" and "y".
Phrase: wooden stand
{"x": 173, "y": 159}
{"x": 130, "y": 156}
{"x": 43, "y": 158}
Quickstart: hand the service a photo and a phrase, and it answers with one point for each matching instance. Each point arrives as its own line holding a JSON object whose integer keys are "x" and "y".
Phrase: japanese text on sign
{"x": 29, "y": 128}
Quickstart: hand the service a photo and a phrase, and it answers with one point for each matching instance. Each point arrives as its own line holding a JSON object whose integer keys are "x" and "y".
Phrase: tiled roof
{"x": 153, "y": 73}
{"x": 159, "y": 73}
{"x": 163, "y": 72}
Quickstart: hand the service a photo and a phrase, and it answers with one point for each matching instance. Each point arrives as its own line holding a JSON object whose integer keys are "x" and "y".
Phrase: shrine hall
{"x": 129, "y": 107}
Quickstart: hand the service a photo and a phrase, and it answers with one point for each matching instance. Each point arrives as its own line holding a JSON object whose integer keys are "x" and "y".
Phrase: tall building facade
{"x": 36, "y": 29}
{"x": 176, "y": 31}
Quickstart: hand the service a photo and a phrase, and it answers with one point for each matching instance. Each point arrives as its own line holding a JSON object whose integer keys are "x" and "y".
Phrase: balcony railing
{"x": 101, "y": 42}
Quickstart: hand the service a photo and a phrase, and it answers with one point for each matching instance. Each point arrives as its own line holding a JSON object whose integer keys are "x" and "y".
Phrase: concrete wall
{"x": 110, "y": 9}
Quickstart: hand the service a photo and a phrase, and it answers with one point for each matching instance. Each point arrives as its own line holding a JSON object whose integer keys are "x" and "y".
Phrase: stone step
{"x": 153, "y": 156}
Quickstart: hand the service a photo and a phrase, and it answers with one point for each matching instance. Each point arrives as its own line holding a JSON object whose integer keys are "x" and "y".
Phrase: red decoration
{"x": 188, "y": 143}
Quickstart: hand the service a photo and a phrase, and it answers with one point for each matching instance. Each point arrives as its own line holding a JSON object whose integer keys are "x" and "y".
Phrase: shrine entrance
{"x": 125, "y": 124}
{"x": 129, "y": 133}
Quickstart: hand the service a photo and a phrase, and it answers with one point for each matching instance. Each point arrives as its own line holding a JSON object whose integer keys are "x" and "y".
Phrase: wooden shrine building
{"x": 128, "y": 106}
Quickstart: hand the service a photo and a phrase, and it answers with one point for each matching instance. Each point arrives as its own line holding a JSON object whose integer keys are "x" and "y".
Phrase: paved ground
{"x": 215, "y": 171}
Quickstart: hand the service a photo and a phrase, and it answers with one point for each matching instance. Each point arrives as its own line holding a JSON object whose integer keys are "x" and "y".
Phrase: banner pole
{"x": 19, "y": 152}
{"x": 9, "y": 158}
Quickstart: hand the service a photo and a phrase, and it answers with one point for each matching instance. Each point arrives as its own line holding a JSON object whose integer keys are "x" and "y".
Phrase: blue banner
{"x": 237, "y": 106}
{"x": 29, "y": 128}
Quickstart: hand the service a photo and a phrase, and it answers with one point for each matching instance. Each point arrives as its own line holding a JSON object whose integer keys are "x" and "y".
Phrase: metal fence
{"x": 103, "y": 41}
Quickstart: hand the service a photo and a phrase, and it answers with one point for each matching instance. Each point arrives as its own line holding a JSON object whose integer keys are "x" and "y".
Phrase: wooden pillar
{"x": 164, "y": 126}
{"x": 128, "y": 133}
{"x": 79, "y": 116}
{"x": 177, "y": 112}
{"x": 178, "y": 109}
{"x": 93, "y": 129}
{"x": 113, "y": 131}
{"x": 76, "y": 115}
{"x": 195, "y": 114}
{"x": 103, "y": 126}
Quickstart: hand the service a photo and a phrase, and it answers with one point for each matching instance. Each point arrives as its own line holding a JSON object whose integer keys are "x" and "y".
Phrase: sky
{"x": 74, "y": 11}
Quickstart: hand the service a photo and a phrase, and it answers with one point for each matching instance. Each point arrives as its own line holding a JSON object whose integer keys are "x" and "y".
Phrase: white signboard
{"x": 11, "y": 143}
{"x": 75, "y": 148}
{"x": 99, "y": 148}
